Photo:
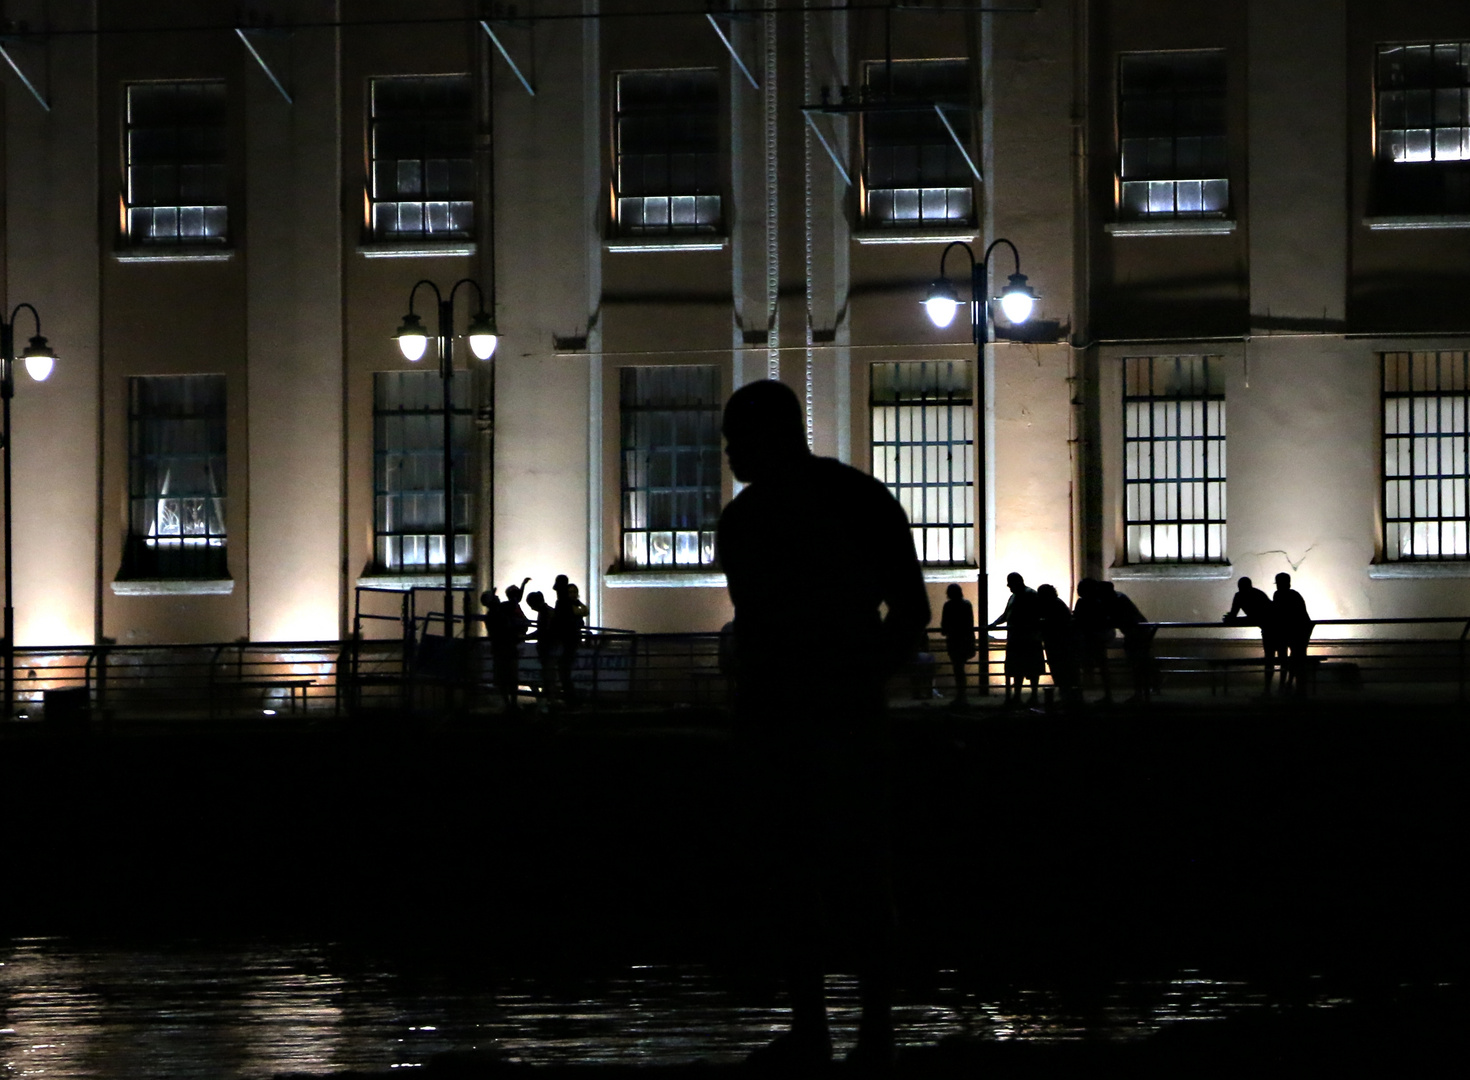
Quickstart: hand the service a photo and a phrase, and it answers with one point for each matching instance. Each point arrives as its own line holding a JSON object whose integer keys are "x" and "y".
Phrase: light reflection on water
{"x": 70, "y": 1011}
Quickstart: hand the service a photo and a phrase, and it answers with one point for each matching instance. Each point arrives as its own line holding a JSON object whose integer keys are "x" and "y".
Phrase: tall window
{"x": 422, "y": 150}
{"x": 1174, "y": 459}
{"x": 176, "y": 477}
{"x": 670, "y": 419}
{"x": 176, "y": 163}
{"x": 914, "y": 172}
{"x": 408, "y": 470}
{"x": 1426, "y": 444}
{"x": 1423, "y": 159}
{"x": 1171, "y": 135}
{"x": 668, "y": 159}
{"x": 923, "y": 418}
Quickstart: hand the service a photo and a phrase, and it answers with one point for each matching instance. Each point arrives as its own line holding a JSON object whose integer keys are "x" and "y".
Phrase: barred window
{"x": 1423, "y": 123}
{"x": 1426, "y": 444}
{"x": 422, "y": 151}
{"x": 923, "y": 417}
{"x": 668, "y": 152}
{"x": 175, "y": 148}
{"x": 408, "y": 470}
{"x": 913, "y": 170}
{"x": 1171, "y": 135}
{"x": 1174, "y": 459}
{"x": 176, "y": 477}
{"x": 670, "y": 418}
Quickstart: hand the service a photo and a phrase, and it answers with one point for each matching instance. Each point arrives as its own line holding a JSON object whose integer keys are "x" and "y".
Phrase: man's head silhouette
{"x": 1243, "y": 584}
{"x": 764, "y": 430}
{"x": 1283, "y": 581}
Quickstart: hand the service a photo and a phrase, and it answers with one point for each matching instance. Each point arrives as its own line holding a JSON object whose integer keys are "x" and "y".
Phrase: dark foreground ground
{"x": 1278, "y": 844}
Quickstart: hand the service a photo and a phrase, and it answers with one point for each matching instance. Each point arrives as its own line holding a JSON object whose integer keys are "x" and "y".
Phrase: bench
{"x": 293, "y": 686}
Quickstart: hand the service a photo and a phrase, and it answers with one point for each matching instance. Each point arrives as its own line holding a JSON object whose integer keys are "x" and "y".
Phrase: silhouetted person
{"x": 545, "y": 645}
{"x": 1022, "y": 619}
{"x": 505, "y": 644}
{"x": 1138, "y": 638}
{"x": 568, "y": 622}
{"x": 1094, "y": 626}
{"x": 1294, "y": 629}
{"x": 1254, "y": 607}
{"x": 1059, "y": 639}
{"x": 809, "y": 702}
{"x": 957, "y": 624}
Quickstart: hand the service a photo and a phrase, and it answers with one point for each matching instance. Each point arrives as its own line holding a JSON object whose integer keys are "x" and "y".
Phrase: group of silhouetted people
{"x": 1285, "y": 628}
{"x": 557, "y": 633}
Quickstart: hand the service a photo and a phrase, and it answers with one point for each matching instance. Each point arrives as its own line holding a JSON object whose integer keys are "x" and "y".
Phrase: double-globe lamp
{"x": 1016, "y": 299}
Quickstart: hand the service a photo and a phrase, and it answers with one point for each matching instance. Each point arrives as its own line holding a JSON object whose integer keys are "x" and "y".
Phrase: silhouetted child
{"x": 1138, "y": 638}
{"x": 569, "y": 620}
{"x": 957, "y": 624}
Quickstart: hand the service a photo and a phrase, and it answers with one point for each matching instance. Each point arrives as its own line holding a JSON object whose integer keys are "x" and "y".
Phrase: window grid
{"x": 422, "y": 157}
{"x": 176, "y": 477}
{"x": 175, "y": 151}
{"x": 923, "y": 449}
{"x": 1426, "y": 445}
{"x": 670, "y": 464}
{"x": 913, "y": 172}
{"x": 1171, "y": 135}
{"x": 667, "y": 137}
{"x": 408, "y": 470}
{"x": 1174, "y": 459}
{"x": 1423, "y": 128}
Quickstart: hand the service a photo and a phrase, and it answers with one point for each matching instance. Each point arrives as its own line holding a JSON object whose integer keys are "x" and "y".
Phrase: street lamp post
{"x": 1016, "y": 300}
{"x": 413, "y": 340}
{"x": 39, "y": 361}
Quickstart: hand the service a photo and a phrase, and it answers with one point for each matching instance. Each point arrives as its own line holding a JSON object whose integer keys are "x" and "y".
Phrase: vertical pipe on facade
{"x": 485, "y": 382}
{"x": 773, "y": 240}
{"x": 808, "y": 166}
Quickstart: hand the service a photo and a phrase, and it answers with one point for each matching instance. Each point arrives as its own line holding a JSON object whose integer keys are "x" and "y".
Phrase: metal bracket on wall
{"x": 485, "y": 24}
{"x": 246, "y": 33}
{"x": 730, "y": 45}
{"x": 848, "y": 108}
{"x": 11, "y": 35}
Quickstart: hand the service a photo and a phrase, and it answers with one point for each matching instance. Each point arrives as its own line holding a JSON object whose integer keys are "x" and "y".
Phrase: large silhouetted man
{"x": 812, "y": 550}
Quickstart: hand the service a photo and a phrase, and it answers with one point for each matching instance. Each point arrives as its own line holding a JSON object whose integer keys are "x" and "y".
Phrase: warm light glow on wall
{"x": 311, "y": 618}
{"x": 37, "y": 623}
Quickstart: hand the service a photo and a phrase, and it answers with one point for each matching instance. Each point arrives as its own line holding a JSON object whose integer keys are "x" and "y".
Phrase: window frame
{"x": 700, "y": 396}
{"x": 429, "y": 459}
{"x": 422, "y": 119}
{"x": 1435, "y": 184}
{"x": 707, "y": 203}
{"x": 1204, "y": 388}
{"x": 939, "y": 144}
{"x": 147, "y": 555}
{"x": 132, "y": 206}
{"x": 1214, "y": 203}
{"x": 948, "y": 396}
{"x": 1398, "y": 368}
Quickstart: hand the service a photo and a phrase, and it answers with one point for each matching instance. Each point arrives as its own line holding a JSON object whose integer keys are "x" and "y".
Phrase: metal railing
{"x": 616, "y": 669}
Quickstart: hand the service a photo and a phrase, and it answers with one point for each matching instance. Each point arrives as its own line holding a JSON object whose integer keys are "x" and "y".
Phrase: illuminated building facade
{"x": 1247, "y": 223}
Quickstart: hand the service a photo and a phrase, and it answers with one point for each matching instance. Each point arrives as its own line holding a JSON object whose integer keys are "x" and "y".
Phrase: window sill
{"x": 174, "y": 587}
{"x": 1173, "y": 572}
{"x": 173, "y": 254}
{"x": 1171, "y": 227}
{"x": 1413, "y": 569}
{"x": 1399, "y": 222}
{"x": 942, "y": 575}
{"x": 405, "y": 582}
{"x": 416, "y": 249}
{"x": 655, "y": 242}
{"x": 665, "y": 579}
{"x": 921, "y": 235}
